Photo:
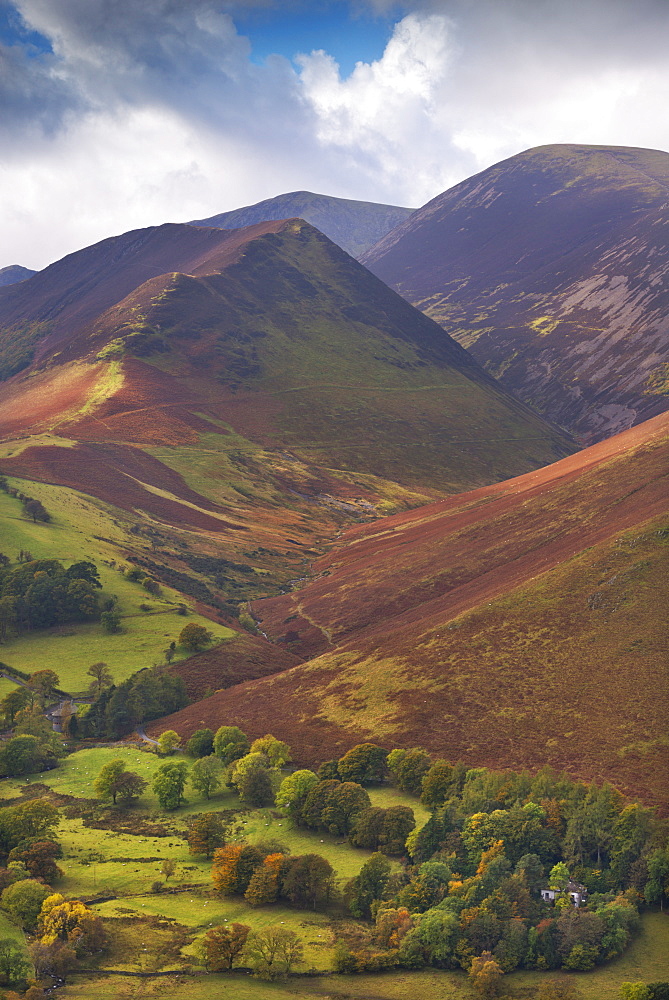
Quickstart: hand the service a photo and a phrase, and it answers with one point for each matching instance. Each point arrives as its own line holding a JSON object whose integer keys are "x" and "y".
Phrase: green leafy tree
{"x": 194, "y": 636}
{"x": 206, "y": 833}
{"x": 105, "y": 785}
{"x": 363, "y": 764}
{"x": 23, "y": 902}
{"x": 205, "y": 775}
{"x": 657, "y": 886}
{"x": 437, "y": 784}
{"x": 111, "y": 621}
{"x": 230, "y": 743}
{"x": 437, "y": 933}
{"x": 168, "y": 742}
{"x": 369, "y": 885}
{"x": 277, "y": 752}
{"x": 201, "y": 743}
{"x": 255, "y": 788}
{"x": 223, "y": 945}
{"x": 409, "y": 767}
{"x": 635, "y": 991}
{"x": 14, "y": 967}
{"x": 20, "y": 755}
{"x": 14, "y": 702}
{"x": 37, "y": 819}
{"x": 293, "y": 792}
{"x": 274, "y": 952}
{"x": 558, "y": 877}
{"x": 169, "y": 782}
{"x": 343, "y": 804}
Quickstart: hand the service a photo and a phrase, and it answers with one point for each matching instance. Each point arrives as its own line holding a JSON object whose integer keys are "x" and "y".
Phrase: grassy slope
{"x": 470, "y": 625}
{"x": 71, "y": 536}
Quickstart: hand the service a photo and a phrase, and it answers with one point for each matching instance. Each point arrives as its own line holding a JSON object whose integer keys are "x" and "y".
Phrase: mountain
{"x": 240, "y": 395}
{"x": 10, "y": 275}
{"x": 355, "y": 226}
{"x": 552, "y": 269}
{"x": 517, "y": 625}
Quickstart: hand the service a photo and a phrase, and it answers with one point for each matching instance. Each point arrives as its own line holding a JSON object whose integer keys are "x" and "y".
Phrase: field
{"x": 83, "y": 529}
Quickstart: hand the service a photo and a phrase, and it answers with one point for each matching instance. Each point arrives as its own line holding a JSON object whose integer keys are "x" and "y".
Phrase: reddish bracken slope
{"x": 515, "y": 625}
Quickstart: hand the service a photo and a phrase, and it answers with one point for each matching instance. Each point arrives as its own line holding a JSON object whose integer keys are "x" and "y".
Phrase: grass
{"x": 82, "y": 528}
{"x": 646, "y": 960}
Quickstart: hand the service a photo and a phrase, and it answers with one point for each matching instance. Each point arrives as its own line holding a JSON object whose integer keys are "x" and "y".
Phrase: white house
{"x": 577, "y": 893}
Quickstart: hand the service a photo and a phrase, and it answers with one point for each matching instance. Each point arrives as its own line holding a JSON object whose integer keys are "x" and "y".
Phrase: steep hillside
{"x": 516, "y": 625}
{"x": 246, "y": 392}
{"x": 355, "y": 226}
{"x": 552, "y": 269}
{"x": 15, "y": 272}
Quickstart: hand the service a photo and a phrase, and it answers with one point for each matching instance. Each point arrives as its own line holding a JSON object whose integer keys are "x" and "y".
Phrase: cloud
{"x": 133, "y": 113}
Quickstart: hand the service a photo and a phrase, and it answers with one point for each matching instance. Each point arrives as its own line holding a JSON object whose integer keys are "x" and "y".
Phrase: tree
{"x": 105, "y": 784}
{"x": 111, "y": 621}
{"x": 343, "y": 804}
{"x": 71, "y": 921}
{"x": 409, "y": 768}
{"x": 194, "y": 636}
{"x": 169, "y": 782}
{"x": 168, "y": 743}
{"x": 224, "y": 869}
{"x": 250, "y": 776}
{"x": 634, "y": 991}
{"x": 263, "y": 887}
{"x": 129, "y": 787}
{"x": 33, "y": 820}
{"x": 206, "y": 833}
{"x": 437, "y": 784}
{"x": 23, "y": 902}
{"x": 84, "y": 570}
{"x": 8, "y": 616}
{"x": 102, "y": 678}
{"x": 309, "y": 880}
{"x": 558, "y": 877}
{"x": 276, "y": 751}
{"x": 369, "y": 885}
{"x": 485, "y": 975}
{"x": 205, "y": 775}
{"x": 167, "y": 868}
{"x": 54, "y": 959}
{"x": 39, "y": 858}
{"x": 222, "y": 945}
{"x": 274, "y": 952}
{"x": 201, "y": 743}
{"x": 657, "y": 886}
{"x": 44, "y": 683}
{"x": 293, "y": 792}
{"x": 13, "y": 702}
{"x": 14, "y": 968}
{"x": 36, "y": 510}
{"x": 20, "y": 755}
{"x": 364, "y": 763}
{"x": 230, "y": 743}
{"x": 438, "y": 932}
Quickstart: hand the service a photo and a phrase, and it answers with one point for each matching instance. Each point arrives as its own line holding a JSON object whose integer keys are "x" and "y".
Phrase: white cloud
{"x": 153, "y": 111}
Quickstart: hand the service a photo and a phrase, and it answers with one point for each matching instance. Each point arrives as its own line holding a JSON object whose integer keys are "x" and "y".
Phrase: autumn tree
{"x": 194, "y": 636}
{"x": 222, "y": 945}
{"x": 233, "y": 868}
{"x": 71, "y": 921}
{"x": 206, "y": 833}
{"x": 205, "y": 775}
{"x": 39, "y": 858}
{"x": 230, "y": 743}
{"x": 485, "y": 975}
{"x": 263, "y": 887}
{"x": 169, "y": 782}
{"x": 44, "y": 683}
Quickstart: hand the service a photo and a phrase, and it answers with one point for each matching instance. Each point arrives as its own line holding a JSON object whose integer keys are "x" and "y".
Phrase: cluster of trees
{"x": 265, "y": 874}
{"x": 272, "y": 953}
{"x": 42, "y": 593}
{"x": 148, "y": 694}
{"x": 34, "y": 746}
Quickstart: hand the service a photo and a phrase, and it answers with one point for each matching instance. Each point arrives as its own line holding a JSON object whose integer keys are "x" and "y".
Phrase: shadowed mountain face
{"x": 552, "y": 269}
{"x": 10, "y": 275}
{"x": 513, "y": 626}
{"x": 355, "y": 226}
{"x": 254, "y": 388}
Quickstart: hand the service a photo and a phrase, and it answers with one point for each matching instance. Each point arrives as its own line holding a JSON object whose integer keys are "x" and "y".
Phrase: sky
{"x": 119, "y": 114}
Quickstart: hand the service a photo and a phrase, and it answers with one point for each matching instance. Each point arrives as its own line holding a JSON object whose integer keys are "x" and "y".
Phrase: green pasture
{"x": 646, "y": 960}
{"x": 83, "y": 528}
